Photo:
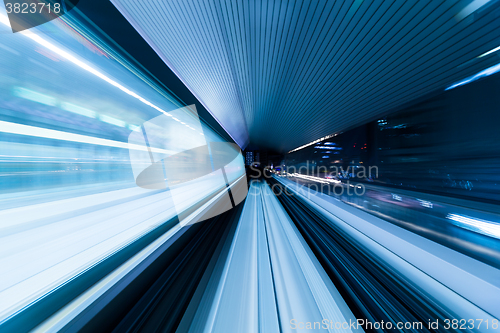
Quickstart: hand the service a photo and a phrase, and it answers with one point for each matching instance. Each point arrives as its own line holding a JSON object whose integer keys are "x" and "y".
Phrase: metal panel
{"x": 284, "y": 73}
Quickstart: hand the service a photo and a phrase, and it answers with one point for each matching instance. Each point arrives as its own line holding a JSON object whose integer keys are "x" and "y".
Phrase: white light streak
{"x": 81, "y": 64}
{"x": 46, "y": 133}
{"x": 396, "y": 197}
{"x": 425, "y": 203}
{"x": 489, "y": 52}
{"x": 488, "y": 71}
{"x": 316, "y": 179}
{"x": 34, "y": 96}
{"x": 313, "y": 142}
{"x": 477, "y": 225}
{"x": 112, "y": 121}
{"x": 78, "y": 110}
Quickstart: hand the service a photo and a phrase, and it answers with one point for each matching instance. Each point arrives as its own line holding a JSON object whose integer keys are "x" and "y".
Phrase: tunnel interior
{"x": 249, "y": 166}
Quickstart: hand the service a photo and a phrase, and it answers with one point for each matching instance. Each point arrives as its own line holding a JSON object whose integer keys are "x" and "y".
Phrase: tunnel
{"x": 267, "y": 166}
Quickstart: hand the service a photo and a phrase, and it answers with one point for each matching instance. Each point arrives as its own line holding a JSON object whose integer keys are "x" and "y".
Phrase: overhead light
{"x": 471, "y": 8}
{"x": 488, "y": 71}
{"x": 489, "y": 52}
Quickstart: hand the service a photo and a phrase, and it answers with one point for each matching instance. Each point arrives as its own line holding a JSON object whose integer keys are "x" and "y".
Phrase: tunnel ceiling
{"x": 279, "y": 74}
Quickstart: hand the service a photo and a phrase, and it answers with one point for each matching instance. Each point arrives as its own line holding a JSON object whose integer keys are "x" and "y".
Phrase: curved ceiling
{"x": 279, "y": 74}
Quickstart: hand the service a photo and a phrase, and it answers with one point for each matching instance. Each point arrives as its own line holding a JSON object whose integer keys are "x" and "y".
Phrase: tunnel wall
{"x": 447, "y": 144}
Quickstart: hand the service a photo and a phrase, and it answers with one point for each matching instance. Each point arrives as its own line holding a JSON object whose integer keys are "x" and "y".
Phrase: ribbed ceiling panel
{"x": 289, "y": 72}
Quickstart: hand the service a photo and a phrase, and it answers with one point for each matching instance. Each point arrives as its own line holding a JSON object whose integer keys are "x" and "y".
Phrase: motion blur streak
{"x": 70, "y": 210}
{"x": 80, "y": 63}
{"x": 285, "y": 281}
{"x": 437, "y": 280}
{"x": 20, "y": 129}
{"x": 488, "y": 71}
{"x": 125, "y": 207}
{"x": 475, "y": 224}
